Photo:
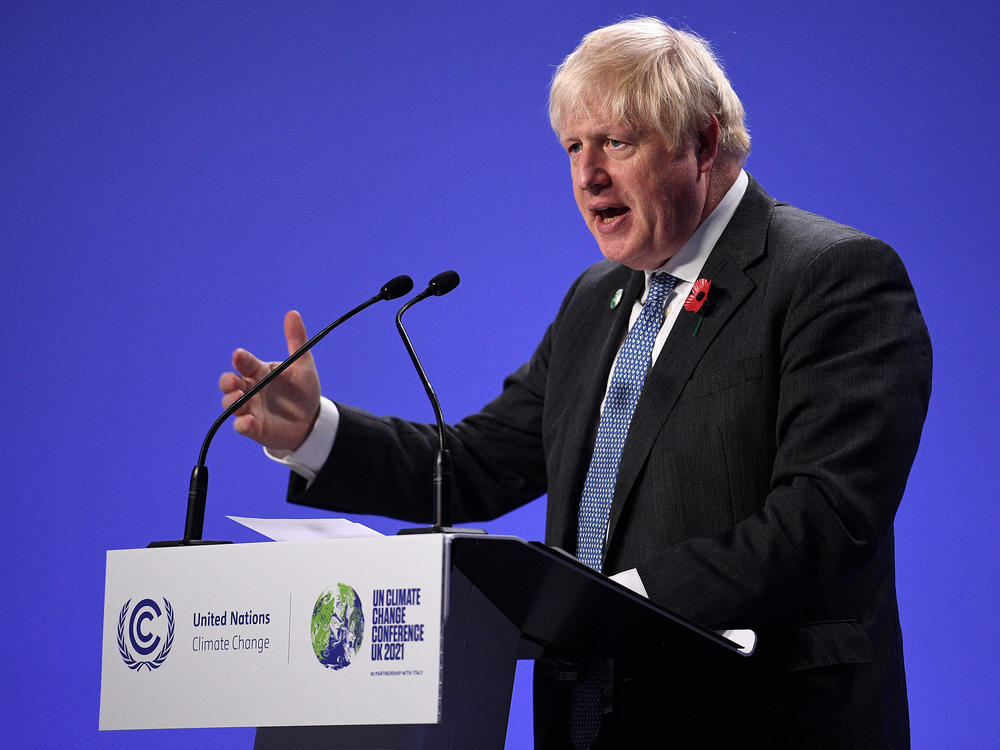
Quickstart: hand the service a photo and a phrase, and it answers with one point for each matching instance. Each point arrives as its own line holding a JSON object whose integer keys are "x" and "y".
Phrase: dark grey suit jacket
{"x": 757, "y": 488}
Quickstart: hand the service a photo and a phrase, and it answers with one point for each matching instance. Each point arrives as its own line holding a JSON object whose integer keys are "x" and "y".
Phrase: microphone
{"x": 438, "y": 286}
{"x": 198, "y": 488}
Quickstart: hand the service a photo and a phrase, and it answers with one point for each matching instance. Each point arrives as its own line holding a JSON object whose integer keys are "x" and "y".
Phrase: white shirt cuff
{"x": 308, "y": 458}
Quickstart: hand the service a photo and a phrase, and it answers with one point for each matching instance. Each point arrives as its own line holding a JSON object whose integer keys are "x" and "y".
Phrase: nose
{"x": 590, "y": 174}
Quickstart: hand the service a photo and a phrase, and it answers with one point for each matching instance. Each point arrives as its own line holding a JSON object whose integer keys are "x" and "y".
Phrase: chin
{"x": 635, "y": 261}
{"x": 615, "y": 252}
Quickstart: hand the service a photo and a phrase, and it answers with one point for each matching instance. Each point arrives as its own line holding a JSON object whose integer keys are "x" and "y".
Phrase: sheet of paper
{"x": 630, "y": 580}
{"x": 303, "y": 529}
{"x": 745, "y": 639}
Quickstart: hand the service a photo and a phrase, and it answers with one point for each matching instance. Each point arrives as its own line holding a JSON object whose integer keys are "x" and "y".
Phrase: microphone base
{"x": 439, "y": 530}
{"x": 184, "y": 543}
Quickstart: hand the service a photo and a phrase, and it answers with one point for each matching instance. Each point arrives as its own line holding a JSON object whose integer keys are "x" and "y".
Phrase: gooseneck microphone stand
{"x": 440, "y": 285}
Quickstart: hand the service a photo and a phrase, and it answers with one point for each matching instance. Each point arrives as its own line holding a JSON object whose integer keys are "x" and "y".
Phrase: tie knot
{"x": 660, "y": 285}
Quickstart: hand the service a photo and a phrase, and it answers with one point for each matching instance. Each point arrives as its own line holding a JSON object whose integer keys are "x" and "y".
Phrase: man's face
{"x": 640, "y": 198}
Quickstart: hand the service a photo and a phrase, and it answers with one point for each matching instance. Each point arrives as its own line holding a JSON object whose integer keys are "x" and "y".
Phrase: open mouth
{"x": 608, "y": 215}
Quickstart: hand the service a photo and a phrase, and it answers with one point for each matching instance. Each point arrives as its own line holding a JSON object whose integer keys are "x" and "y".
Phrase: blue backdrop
{"x": 175, "y": 176}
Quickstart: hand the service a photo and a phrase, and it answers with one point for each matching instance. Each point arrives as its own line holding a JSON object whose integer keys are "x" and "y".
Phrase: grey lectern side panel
{"x": 479, "y": 655}
{"x": 479, "y": 688}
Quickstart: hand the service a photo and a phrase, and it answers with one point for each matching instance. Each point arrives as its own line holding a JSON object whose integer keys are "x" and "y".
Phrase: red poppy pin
{"x": 695, "y": 300}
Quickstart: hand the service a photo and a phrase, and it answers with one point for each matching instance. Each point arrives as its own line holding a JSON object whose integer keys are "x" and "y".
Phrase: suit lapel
{"x": 740, "y": 245}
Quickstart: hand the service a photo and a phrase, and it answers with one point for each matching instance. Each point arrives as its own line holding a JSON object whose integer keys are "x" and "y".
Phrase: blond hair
{"x": 645, "y": 73}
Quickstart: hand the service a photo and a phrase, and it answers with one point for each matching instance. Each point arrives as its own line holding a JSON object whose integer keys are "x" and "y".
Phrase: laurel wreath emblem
{"x": 130, "y": 661}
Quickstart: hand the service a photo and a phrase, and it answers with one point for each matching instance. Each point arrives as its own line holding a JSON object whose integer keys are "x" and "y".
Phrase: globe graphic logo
{"x": 338, "y": 626}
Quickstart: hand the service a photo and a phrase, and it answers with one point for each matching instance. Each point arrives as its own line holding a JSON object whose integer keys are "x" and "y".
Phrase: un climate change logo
{"x": 338, "y": 626}
{"x": 145, "y": 616}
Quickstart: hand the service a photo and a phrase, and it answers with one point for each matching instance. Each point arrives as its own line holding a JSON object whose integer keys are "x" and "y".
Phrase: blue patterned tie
{"x": 627, "y": 379}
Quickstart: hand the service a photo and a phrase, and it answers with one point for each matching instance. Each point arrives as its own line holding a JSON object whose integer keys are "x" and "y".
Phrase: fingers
{"x": 252, "y": 368}
{"x": 229, "y": 382}
{"x": 233, "y": 386}
{"x": 249, "y": 366}
{"x": 230, "y": 398}
{"x": 246, "y": 425}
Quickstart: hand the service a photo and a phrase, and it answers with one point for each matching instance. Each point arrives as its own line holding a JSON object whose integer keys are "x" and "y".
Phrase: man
{"x": 767, "y": 446}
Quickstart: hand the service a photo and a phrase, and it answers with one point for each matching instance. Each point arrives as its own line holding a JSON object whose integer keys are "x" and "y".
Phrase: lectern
{"x": 398, "y": 642}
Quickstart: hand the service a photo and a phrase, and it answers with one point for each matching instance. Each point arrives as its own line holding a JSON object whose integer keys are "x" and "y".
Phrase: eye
{"x": 615, "y": 143}
{"x": 573, "y": 148}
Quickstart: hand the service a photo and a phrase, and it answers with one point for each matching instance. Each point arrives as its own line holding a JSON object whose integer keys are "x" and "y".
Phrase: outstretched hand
{"x": 282, "y": 415}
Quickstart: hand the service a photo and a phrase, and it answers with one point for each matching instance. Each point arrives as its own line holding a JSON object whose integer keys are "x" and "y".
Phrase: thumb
{"x": 295, "y": 331}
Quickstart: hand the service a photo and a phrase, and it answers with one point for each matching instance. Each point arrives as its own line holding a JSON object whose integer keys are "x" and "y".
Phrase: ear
{"x": 707, "y": 147}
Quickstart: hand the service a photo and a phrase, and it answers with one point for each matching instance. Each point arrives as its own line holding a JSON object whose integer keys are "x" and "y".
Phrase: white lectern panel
{"x": 342, "y": 632}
